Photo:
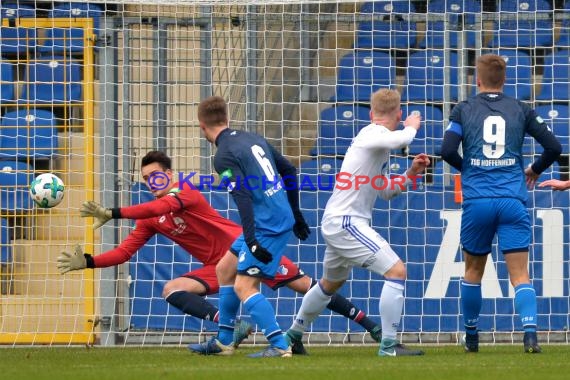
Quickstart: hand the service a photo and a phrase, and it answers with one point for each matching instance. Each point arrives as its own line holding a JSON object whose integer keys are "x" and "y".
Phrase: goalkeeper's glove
{"x": 101, "y": 214}
{"x": 301, "y": 228}
{"x": 74, "y": 261}
{"x": 260, "y": 253}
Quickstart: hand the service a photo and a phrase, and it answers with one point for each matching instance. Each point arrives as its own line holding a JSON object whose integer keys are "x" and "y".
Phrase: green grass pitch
{"x": 503, "y": 362}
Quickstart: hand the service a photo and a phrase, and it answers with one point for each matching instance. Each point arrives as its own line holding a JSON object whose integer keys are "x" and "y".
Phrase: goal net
{"x": 89, "y": 88}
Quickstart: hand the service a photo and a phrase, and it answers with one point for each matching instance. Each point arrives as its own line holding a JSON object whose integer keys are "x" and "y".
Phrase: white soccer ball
{"x": 47, "y": 190}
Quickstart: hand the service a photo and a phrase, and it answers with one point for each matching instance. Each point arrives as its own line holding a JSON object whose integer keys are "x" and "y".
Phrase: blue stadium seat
{"x": 15, "y": 40}
{"x": 15, "y": 178}
{"x": 223, "y": 202}
{"x": 564, "y": 37}
{"x": 52, "y": 79}
{"x": 523, "y": 24}
{"x": 13, "y": 9}
{"x": 363, "y": 72}
{"x": 460, "y": 17}
{"x": 556, "y": 77}
{"x": 28, "y": 134}
{"x": 519, "y": 73}
{"x": 337, "y": 127}
{"x": 425, "y": 76}
{"x": 394, "y": 30}
{"x": 140, "y": 193}
{"x": 319, "y": 173}
{"x": 399, "y": 164}
{"x": 557, "y": 116}
{"x": 6, "y": 82}
{"x": 60, "y": 40}
{"x": 5, "y": 247}
{"x": 428, "y": 138}
{"x": 73, "y": 10}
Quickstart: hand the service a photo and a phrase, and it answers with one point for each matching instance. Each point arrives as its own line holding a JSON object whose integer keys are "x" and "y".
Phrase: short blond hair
{"x": 491, "y": 71}
{"x": 385, "y": 101}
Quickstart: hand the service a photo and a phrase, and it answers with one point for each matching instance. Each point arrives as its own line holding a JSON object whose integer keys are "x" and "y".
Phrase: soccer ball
{"x": 47, "y": 190}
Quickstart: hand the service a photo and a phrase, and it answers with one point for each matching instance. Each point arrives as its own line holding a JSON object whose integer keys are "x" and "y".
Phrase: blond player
{"x": 346, "y": 222}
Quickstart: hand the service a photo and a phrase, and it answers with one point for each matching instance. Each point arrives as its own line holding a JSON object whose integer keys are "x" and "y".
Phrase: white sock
{"x": 313, "y": 304}
{"x": 391, "y": 306}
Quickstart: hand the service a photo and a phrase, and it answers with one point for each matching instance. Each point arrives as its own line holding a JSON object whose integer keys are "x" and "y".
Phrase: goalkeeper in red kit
{"x": 185, "y": 217}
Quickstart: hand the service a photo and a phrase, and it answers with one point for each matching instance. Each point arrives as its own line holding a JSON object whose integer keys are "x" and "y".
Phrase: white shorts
{"x": 352, "y": 242}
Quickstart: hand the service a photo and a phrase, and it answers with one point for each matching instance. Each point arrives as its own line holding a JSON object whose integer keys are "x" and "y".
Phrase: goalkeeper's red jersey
{"x": 183, "y": 216}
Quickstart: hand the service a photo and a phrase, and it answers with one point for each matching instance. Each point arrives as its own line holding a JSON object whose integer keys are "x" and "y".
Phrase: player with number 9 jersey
{"x": 492, "y": 128}
{"x": 264, "y": 187}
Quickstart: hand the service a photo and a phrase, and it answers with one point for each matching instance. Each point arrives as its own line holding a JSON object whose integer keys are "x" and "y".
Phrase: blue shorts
{"x": 248, "y": 265}
{"x": 482, "y": 219}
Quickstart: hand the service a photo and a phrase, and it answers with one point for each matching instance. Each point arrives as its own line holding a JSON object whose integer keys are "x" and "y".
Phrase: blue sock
{"x": 229, "y": 305}
{"x": 525, "y": 306}
{"x": 471, "y": 300}
{"x": 263, "y": 314}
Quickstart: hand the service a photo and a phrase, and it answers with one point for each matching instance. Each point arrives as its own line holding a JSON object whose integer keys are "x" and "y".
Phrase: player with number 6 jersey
{"x": 492, "y": 126}
{"x": 264, "y": 187}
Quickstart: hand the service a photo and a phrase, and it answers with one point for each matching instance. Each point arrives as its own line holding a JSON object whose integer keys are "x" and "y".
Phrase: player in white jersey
{"x": 351, "y": 241}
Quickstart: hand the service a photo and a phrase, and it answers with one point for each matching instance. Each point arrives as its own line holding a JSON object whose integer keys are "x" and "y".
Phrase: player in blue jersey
{"x": 492, "y": 126}
{"x": 256, "y": 175}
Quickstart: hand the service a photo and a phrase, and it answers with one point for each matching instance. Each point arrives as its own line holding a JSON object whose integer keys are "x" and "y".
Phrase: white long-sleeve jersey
{"x": 367, "y": 157}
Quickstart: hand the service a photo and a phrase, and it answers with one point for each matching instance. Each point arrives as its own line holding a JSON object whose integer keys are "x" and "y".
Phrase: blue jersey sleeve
{"x": 232, "y": 176}
{"x": 452, "y": 139}
{"x": 455, "y": 127}
{"x": 288, "y": 174}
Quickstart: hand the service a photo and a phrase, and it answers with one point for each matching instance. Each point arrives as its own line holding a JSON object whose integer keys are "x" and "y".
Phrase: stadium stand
{"x": 425, "y": 76}
{"x": 564, "y": 26}
{"x": 319, "y": 173}
{"x": 16, "y": 40}
{"x": 28, "y": 134}
{"x": 6, "y": 82}
{"x": 15, "y": 178}
{"x": 460, "y": 18}
{"x": 70, "y": 40}
{"x": 361, "y": 73}
{"x": 394, "y": 30}
{"x": 557, "y": 116}
{"x": 337, "y": 127}
{"x": 429, "y": 138}
{"x": 52, "y": 79}
{"x": 556, "y": 77}
{"x": 523, "y": 24}
{"x": 5, "y": 247}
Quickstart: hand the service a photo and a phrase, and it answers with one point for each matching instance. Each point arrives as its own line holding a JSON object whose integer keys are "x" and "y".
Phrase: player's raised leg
{"x": 187, "y": 292}
{"x": 344, "y": 307}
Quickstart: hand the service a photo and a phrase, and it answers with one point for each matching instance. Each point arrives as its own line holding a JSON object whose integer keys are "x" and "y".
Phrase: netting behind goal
{"x": 300, "y": 74}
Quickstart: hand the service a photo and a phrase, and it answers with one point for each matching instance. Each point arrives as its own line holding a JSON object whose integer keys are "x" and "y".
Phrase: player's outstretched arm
{"x": 76, "y": 260}
{"x": 93, "y": 209}
{"x": 419, "y": 165}
{"x": 556, "y": 184}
